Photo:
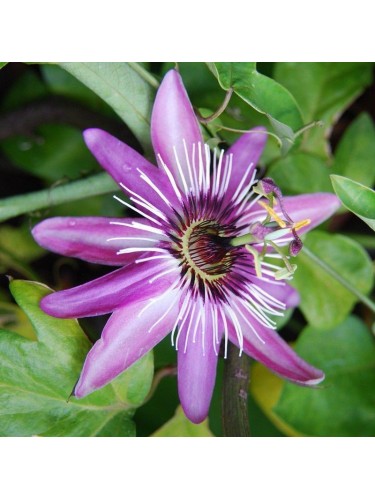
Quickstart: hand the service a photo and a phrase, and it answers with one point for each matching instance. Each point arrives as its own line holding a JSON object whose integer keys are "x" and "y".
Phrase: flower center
{"x": 205, "y": 250}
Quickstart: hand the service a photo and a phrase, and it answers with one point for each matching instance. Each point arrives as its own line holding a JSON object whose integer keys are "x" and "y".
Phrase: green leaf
{"x": 355, "y": 153}
{"x": 17, "y": 248}
{"x": 54, "y": 153}
{"x": 180, "y": 426}
{"x": 36, "y": 378}
{"x": 357, "y": 198}
{"x": 2, "y": 64}
{"x": 323, "y": 91}
{"x": 263, "y": 94}
{"x": 301, "y": 173}
{"x": 58, "y": 81}
{"x": 344, "y": 404}
{"x": 324, "y": 301}
{"x": 128, "y": 88}
{"x": 19, "y": 242}
{"x": 26, "y": 88}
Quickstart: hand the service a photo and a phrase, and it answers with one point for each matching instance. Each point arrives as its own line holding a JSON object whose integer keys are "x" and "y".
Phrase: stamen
{"x": 272, "y": 213}
{"x": 301, "y": 224}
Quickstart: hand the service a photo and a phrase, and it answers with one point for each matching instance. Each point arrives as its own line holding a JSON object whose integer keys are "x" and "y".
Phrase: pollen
{"x": 273, "y": 214}
{"x": 301, "y": 224}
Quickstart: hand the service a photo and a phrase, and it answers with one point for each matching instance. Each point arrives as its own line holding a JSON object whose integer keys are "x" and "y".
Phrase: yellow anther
{"x": 273, "y": 214}
{"x": 301, "y": 224}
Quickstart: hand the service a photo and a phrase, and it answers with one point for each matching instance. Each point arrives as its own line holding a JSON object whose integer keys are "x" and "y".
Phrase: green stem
{"x": 239, "y": 241}
{"x": 76, "y": 190}
{"x": 365, "y": 300}
{"x": 219, "y": 111}
{"x": 234, "y": 397}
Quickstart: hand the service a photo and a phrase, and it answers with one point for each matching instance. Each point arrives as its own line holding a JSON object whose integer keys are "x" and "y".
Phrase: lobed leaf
{"x": 344, "y": 404}
{"x": 37, "y": 377}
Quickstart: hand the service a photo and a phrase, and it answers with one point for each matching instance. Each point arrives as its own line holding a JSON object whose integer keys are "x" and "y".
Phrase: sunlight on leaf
{"x": 180, "y": 426}
{"x": 344, "y": 403}
{"x": 36, "y": 378}
{"x": 126, "y": 90}
{"x": 264, "y": 95}
{"x": 357, "y": 198}
{"x": 266, "y": 388}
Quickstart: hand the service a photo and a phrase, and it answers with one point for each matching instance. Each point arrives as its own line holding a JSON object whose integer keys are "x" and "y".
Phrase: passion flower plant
{"x": 202, "y": 259}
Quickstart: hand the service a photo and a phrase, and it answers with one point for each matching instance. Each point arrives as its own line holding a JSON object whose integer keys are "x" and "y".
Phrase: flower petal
{"x": 130, "y": 169}
{"x": 92, "y": 238}
{"x": 197, "y": 361}
{"x": 317, "y": 207}
{"x": 173, "y": 120}
{"x": 109, "y": 292}
{"x": 130, "y": 333}
{"x": 246, "y": 152}
{"x": 267, "y": 347}
{"x": 279, "y": 290}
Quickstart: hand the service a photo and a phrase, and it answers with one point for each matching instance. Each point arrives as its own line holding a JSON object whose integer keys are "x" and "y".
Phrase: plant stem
{"x": 328, "y": 269}
{"x": 234, "y": 396}
{"x": 76, "y": 190}
{"x": 218, "y": 112}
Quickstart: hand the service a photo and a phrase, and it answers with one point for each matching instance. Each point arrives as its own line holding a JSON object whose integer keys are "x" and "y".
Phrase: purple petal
{"x": 279, "y": 290}
{"x": 267, "y": 347}
{"x": 90, "y": 238}
{"x": 130, "y": 333}
{"x": 246, "y": 152}
{"x": 109, "y": 292}
{"x": 129, "y": 168}
{"x": 317, "y": 207}
{"x": 173, "y": 120}
{"x": 197, "y": 361}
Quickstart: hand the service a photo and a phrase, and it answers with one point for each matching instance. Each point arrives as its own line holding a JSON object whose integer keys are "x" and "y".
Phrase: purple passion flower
{"x": 198, "y": 260}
